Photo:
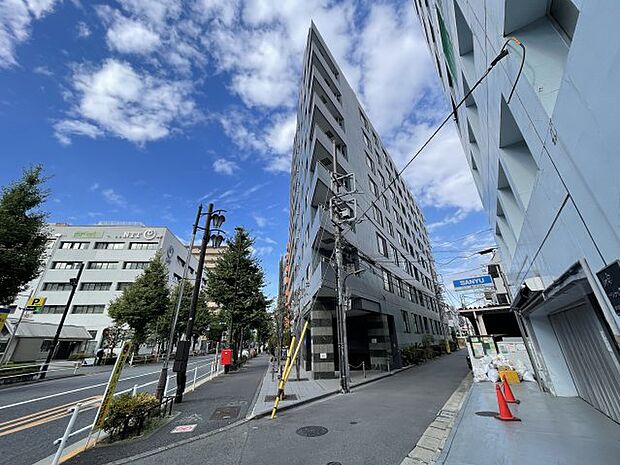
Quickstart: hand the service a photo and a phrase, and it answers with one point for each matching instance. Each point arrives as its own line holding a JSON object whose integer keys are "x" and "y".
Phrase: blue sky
{"x": 141, "y": 109}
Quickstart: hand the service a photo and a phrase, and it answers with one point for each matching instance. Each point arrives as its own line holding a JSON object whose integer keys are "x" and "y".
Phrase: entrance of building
{"x": 591, "y": 355}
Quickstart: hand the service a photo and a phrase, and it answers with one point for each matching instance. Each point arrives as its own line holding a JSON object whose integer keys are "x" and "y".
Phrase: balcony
{"x": 322, "y": 152}
{"x": 320, "y": 88}
{"x": 320, "y": 71}
{"x": 322, "y": 117}
{"x": 320, "y": 186}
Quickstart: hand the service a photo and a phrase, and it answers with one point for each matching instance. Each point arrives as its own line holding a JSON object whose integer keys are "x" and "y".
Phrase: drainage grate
{"x": 353, "y": 422}
{"x": 312, "y": 431}
{"x": 286, "y": 397}
{"x": 225, "y": 413}
{"x": 295, "y": 380}
{"x": 334, "y": 463}
{"x": 486, "y": 414}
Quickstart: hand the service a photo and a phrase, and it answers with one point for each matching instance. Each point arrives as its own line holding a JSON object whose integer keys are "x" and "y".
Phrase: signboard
{"x": 111, "y": 387}
{"x": 4, "y": 314}
{"x": 610, "y": 280}
{"x": 36, "y": 301}
{"x": 88, "y": 234}
{"x": 472, "y": 283}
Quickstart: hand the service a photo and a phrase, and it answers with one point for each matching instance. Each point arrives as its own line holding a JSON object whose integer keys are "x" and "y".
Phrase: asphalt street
{"x": 33, "y": 415}
{"x": 376, "y": 424}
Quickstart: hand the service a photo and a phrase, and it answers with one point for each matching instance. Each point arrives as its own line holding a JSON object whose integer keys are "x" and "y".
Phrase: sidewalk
{"x": 306, "y": 389}
{"x": 214, "y": 405}
{"x": 553, "y": 430}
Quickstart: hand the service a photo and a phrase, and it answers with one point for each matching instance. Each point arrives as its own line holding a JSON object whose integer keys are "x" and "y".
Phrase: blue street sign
{"x": 476, "y": 281}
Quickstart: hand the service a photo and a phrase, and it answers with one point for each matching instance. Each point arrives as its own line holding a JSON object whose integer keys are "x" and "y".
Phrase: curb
{"x": 432, "y": 444}
{"x": 250, "y": 415}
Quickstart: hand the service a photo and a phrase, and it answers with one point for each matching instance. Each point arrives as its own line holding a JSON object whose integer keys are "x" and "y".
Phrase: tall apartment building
{"x": 393, "y": 302}
{"x": 545, "y": 164}
{"x": 114, "y": 255}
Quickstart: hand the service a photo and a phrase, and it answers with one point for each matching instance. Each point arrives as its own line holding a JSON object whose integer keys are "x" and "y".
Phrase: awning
{"x": 33, "y": 329}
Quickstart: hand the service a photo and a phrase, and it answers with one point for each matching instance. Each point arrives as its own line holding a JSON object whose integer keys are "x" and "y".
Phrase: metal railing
{"x": 215, "y": 369}
{"x": 32, "y": 371}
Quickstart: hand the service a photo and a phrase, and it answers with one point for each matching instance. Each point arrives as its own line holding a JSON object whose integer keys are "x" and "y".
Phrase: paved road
{"x": 214, "y": 405}
{"x": 32, "y": 416}
{"x": 377, "y": 424}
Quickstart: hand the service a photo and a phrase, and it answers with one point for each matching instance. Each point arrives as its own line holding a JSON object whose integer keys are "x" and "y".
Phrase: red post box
{"x": 226, "y": 358}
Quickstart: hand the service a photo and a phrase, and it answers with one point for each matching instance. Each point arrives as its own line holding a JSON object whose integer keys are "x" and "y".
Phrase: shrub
{"x": 77, "y": 356}
{"x": 412, "y": 354}
{"x": 126, "y": 411}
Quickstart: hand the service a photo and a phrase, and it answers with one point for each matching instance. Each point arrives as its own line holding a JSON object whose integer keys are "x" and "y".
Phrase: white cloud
{"x": 261, "y": 221}
{"x": 262, "y": 251}
{"x": 223, "y": 166}
{"x": 83, "y": 30}
{"x": 114, "y": 197}
{"x": 118, "y": 100}
{"x": 94, "y": 186}
{"x": 129, "y": 36}
{"x": 16, "y": 17}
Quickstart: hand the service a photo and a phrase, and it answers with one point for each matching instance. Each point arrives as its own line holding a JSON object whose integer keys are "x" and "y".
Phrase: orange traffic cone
{"x": 504, "y": 412}
{"x": 509, "y": 396}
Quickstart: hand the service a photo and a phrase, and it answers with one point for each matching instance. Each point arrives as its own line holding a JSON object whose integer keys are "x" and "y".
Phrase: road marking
{"x": 45, "y": 416}
{"x": 48, "y": 411}
{"x": 84, "y": 388}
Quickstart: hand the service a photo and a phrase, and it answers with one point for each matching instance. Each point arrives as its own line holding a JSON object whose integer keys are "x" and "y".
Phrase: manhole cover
{"x": 312, "y": 431}
{"x": 486, "y": 414}
{"x": 286, "y": 397}
{"x": 225, "y": 413}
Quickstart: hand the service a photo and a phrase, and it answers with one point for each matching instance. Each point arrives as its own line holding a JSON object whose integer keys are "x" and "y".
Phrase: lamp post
{"x": 182, "y": 355}
{"x": 163, "y": 376}
{"x": 74, "y": 284}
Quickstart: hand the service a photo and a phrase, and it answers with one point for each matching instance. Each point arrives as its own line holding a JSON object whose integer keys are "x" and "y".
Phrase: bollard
{"x": 389, "y": 367}
{"x": 195, "y": 374}
{"x": 166, "y": 387}
{"x": 63, "y": 440}
{"x": 134, "y": 391}
{"x": 77, "y": 365}
{"x": 364, "y": 368}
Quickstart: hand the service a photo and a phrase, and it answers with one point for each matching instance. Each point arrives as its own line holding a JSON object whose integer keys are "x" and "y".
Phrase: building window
{"x": 122, "y": 286}
{"x": 390, "y": 228}
{"x": 52, "y": 309}
{"x": 102, "y": 265}
{"x": 382, "y": 245}
{"x": 366, "y": 140}
{"x": 74, "y": 245}
{"x": 109, "y": 245}
{"x": 135, "y": 265}
{"x": 406, "y": 322}
{"x": 65, "y": 265}
{"x": 387, "y": 281}
{"x": 143, "y": 245}
{"x": 181, "y": 262}
{"x": 95, "y": 286}
{"x": 56, "y": 287}
{"x": 394, "y": 254}
{"x": 426, "y": 325}
{"x": 83, "y": 309}
{"x": 401, "y": 288}
{"x": 377, "y": 214}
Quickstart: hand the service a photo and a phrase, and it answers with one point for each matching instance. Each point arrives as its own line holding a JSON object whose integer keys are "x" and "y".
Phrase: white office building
{"x": 114, "y": 255}
{"x": 546, "y": 165}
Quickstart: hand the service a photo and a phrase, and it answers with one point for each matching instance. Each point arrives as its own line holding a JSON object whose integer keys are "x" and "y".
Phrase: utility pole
{"x": 182, "y": 354}
{"x": 163, "y": 376}
{"x": 342, "y": 211}
{"x": 74, "y": 284}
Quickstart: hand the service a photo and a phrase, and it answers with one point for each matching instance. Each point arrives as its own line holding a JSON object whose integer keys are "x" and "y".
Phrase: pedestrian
{"x": 100, "y": 353}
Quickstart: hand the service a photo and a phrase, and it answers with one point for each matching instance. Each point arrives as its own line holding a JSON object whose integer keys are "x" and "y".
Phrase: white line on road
{"x": 84, "y": 388}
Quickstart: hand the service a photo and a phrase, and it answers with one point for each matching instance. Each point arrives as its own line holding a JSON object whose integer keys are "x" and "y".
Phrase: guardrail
{"x": 31, "y": 371}
{"x": 215, "y": 369}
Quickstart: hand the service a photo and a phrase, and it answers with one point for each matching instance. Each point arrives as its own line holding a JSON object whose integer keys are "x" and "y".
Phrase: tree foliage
{"x": 203, "y": 319}
{"x": 143, "y": 301}
{"x": 23, "y": 233}
{"x": 236, "y": 285}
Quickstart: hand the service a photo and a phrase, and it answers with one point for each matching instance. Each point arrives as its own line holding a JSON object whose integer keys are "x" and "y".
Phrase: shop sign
{"x": 610, "y": 280}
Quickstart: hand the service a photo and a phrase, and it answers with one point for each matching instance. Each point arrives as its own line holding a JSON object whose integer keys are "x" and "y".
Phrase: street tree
{"x": 143, "y": 301}
{"x": 23, "y": 233}
{"x": 203, "y": 315}
{"x": 236, "y": 286}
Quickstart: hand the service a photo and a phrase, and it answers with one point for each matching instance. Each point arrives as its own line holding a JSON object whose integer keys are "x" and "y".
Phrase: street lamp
{"x": 74, "y": 284}
{"x": 182, "y": 355}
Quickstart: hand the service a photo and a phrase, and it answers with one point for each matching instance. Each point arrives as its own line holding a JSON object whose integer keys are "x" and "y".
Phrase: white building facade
{"x": 545, "y": 163}
{"x": 393, "y": 302}
{"x": 114, "y": 255}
